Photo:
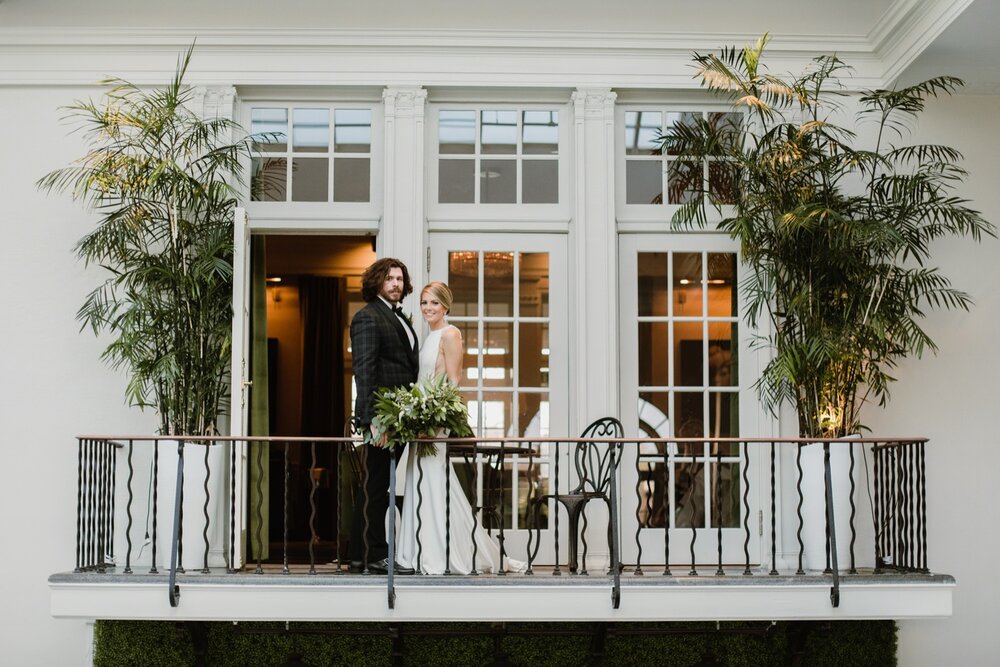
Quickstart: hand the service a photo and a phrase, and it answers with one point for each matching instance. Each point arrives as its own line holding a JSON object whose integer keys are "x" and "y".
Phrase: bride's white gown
{"x": 433, "y": 508}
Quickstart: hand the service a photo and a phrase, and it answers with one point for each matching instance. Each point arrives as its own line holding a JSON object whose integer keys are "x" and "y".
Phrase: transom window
{"x": 498, "y": 156}
{"x": 657, "y": 177}
{"x": 311, "y": 154}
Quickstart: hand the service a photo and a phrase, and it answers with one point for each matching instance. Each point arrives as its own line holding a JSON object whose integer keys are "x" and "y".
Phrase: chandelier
{"x": 496, "y": 265}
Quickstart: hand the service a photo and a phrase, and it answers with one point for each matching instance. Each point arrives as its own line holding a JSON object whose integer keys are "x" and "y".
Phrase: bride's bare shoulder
{"x": 452, "y": 333}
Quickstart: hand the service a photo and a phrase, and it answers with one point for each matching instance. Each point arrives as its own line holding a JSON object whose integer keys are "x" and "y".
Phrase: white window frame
{"x": 320, "y": 216}
{"x": 499, "y": 217}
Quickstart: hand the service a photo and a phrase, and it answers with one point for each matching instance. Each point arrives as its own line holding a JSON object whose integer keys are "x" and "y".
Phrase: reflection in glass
{"x": 274, "y": 124}
{"x": 533, "y": 483}
{"x": 540, "y": 182}
{"x": 651, "y": 485}
{"x": 456, "y": 181}
{"x": 684, "y": 179}
{"x": 463, "y": 279}
{"x": 534, "y": 284}
{"x": 687, "y": 283}
{"x": 540, "y": 132}
{"x": 689, "y": 359}
{"x": 689, "y": 421}
{"x": 533, "y": 355}
{"x": 499, "y": 283}
{"x": 351, "y": 179}
{"x": 643, "y": 182}
{"x": 653, "y": 347}
{"x": 498, "y": 182}
{"x": 654, "y": 411}
{"x": 689, "y": 494}
{"x": 495, "y": 410}
{"x": 722, "y": 183}
{"x": 456, "y": 132}
{"x": 685, "y": 118}
{"x": 311, "y": 130}
{"x": 352, "y": 131}
{"x": 269, "y": 179}
{"x": 654, "y": 290}
{"x": 721, "y": 361}
{"x": 722, "y": 284}
{"x": 470, "y": 362}
{"x": 722, "y": 409}
{"x": 498, "y": 354}
{"x": 498, "y": 131}
{"x": 312, "y": 176}
{"x": 725, "y": 495}
{"x": 532, "y": 415}
{"x": 642, "y": 129}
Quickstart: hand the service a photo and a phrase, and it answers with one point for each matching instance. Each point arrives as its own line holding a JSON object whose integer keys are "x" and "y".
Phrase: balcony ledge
{"x": 542, "y": 597}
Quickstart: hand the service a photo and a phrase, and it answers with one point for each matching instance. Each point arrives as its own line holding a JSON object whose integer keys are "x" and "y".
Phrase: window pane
{"x": 311, "y": 130}
{"x": 470, "y": 361}
{"x": 352, "y": 130}
{"x": 498, "y": 354}
{"x": 540, "y": 132}
{"x": 533, "y": 355}
{"x": 456, "y": 181}
{"x": 534, "y": 284}
{"x": 653, "y": 346}
{"x": 654, "y": 290}
{"x": 684, "y": 179}
{"x": 721, "y": 360}
{"x": 728, "y": 123}
{"x": 494, "y": 412}
{"x": 725, "y": 495}
{"x": 540, "y": 182}
{"x": 498, "y": 182}
{"x": 689, "y": 420}
{"x": 499, "y": 131}
{"x": 689, "y": 494}
{"x": 498, "y": 268}
{"x": 654, "y": 408}
{"x": 722, "y": 420}
{"x": 269, "y": 179}
{"x": 689, "y": 362}
{"x": 310, "y": 177}
{"x": 533, "y": 415}
{"x": 675, "y": 119}
{"x": 722, "y": 183}
{"x": 351, "y": 179}
{"x": 456, "y": 132}
{"x": 463, "y": 279}
{"x": 643, "y": 182}
{"x": 273, "y": 123}
{"x": 651, "y": 484}
{"x": 687, "y": 284}
{"x": 533, "y": 483}
{"x": 722, "y": 290}
{"x": 642, "y": 128}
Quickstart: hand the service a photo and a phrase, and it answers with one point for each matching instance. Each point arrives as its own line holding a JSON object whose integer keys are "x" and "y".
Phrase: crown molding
{"x": 262, "y": 57}
{"x": 907, "y": 28}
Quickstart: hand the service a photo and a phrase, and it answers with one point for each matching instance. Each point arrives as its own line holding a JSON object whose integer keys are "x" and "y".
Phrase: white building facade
{"x": 510, "y": 153}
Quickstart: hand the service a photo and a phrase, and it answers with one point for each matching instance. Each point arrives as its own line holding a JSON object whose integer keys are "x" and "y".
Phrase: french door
{"x": 510, "y": 295}
{"x": 686, "y": 372}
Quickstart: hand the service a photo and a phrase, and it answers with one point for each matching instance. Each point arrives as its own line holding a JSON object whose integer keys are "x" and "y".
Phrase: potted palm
{"x": 160, "y": 180}
{"x": 836, "y": 231}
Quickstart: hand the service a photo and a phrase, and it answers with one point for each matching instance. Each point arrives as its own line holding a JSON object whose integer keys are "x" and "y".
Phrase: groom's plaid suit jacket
{"x": 382, "y": 355}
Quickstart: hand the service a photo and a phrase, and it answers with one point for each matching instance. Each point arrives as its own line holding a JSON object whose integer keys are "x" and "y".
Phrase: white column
{"x": 402, "y": 232}
{"x": 594, "y": 286}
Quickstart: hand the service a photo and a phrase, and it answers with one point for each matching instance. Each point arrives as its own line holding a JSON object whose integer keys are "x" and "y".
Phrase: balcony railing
{"x": 639, "y": 503}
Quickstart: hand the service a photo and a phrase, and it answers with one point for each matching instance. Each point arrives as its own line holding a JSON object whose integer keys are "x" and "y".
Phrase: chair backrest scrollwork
{"x": 594, "y": 461}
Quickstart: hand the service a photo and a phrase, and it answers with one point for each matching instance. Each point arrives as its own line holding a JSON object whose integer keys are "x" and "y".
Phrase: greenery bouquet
{"x": 426, "y": 407}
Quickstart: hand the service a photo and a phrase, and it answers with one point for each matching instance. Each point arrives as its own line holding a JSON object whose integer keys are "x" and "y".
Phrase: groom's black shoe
{"x": 356, "y": 566}
{"x": 382, "y": 567}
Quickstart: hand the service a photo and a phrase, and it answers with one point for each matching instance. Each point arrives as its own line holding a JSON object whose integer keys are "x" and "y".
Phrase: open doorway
{"x": 312, "y": 292}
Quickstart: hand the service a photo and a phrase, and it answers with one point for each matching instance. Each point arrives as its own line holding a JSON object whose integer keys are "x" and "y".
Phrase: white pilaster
{"x": 402, "y": 232}
{"x": 595, "y": 254}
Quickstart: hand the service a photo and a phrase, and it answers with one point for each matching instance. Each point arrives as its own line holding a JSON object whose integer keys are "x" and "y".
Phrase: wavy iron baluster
{"x": 774, "y": 512}
{"x": 745, "y": 450}
{"x": 639, "y": 505}
{"x": 312, "y": 505}
{"x": 718, "y": 504}
{"x": 204, "y": 509}
{"x": 128, "y": 513}
{"x": 667, "y": 510}
{"x": 81, "y": 444}
{"x": 257, "y": 508}
{"x": 285, "y": 512}
{"x": 156, "y": 490}
{"x": 798, "y": 508}
{"x": 854, "y": 532}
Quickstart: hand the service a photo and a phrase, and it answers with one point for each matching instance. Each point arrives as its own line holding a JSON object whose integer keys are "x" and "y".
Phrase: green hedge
{"x": 816, "y": 644}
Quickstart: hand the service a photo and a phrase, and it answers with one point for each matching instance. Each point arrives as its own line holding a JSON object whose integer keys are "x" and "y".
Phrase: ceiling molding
{"x": 907, "y": 28}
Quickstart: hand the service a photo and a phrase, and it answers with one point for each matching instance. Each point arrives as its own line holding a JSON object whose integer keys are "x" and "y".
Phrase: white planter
{"x": 193, "y": 541}
{"x": 814, "y": 505}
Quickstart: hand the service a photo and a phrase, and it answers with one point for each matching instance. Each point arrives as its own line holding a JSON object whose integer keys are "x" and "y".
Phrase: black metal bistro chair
{"x": 594, "y": 463}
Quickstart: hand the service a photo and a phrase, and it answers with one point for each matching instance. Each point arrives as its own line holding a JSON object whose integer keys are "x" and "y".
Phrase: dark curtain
{"x": 321, "y": 302}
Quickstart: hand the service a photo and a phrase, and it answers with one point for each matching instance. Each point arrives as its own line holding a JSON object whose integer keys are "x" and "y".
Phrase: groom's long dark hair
{"x": 375, "y": 275}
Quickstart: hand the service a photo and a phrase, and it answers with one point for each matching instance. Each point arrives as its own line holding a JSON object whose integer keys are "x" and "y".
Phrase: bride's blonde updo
{"x": 439, "y": 291}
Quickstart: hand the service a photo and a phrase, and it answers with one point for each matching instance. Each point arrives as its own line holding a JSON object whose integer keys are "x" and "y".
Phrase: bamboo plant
{"x": 836, "y": 232}
{"x": 161, "y": 182}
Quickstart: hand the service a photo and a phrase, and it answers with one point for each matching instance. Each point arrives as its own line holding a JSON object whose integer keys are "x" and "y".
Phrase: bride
{"x": 441, "y": 353}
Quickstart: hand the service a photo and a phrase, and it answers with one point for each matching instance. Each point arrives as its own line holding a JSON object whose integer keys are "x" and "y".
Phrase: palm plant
{"x": 160, "y": 179}
{"x": 836, "y": 236}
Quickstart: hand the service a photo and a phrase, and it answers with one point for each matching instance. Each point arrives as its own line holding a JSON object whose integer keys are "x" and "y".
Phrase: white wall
{"x": 52, "y": 384}
{"x": 952, "y": 399}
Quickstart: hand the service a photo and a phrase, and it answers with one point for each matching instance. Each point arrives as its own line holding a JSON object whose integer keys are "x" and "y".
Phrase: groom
{"x": 384, "y": 350}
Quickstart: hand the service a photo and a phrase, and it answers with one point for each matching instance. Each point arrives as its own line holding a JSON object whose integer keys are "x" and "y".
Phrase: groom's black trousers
{"x": 378, "y": 503}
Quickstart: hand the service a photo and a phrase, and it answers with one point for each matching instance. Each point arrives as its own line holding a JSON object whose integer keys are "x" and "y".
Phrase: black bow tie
{"x": 398, "y": 310}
